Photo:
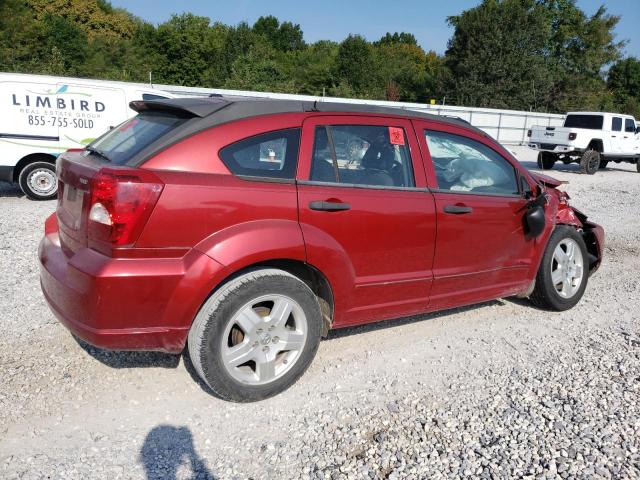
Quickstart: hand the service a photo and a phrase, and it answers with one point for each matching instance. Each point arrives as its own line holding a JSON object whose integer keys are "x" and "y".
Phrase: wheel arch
{"x": 32, "y": 158}
{"x": 309, "y": 274}
{"x": 596, "y": 144}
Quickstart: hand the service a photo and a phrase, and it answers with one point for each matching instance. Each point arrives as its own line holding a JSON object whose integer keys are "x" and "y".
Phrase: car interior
{"x": 363, "y": 155}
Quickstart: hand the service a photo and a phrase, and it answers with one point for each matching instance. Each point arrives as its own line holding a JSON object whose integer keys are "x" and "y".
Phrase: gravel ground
{"x": 499, "y": 390}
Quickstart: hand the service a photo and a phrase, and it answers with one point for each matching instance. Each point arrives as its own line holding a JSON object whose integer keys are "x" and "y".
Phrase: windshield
{"x": 592, "y": 122}
{"x": 123, "y": 142}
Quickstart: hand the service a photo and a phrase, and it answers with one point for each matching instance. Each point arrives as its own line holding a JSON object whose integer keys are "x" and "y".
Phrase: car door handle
{"x": 457, "y": 209}
{"x": 328, "y": 206}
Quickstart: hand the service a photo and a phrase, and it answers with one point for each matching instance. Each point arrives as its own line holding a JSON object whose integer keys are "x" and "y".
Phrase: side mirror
{"x": 534, "y": 220}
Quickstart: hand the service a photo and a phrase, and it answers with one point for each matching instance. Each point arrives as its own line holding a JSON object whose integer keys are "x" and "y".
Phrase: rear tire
{"x": 561, "y": 281}
{"x": 256, "y": 335}
{"x": 590, "y": 162}
{"x": 38, "y": 181}
{"x": 546, "y": 160}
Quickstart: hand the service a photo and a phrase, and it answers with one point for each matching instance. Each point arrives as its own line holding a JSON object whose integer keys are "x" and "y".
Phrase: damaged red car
{"x": 244, "y": 230}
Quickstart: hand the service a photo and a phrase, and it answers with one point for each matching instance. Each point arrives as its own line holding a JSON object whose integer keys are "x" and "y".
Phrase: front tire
{"x": 590, "y": 162}
{"x": 546, "y": 160}
{"x": 256, "y": 335}
{"x": 563, "y": 272}
{"x": 38, "y": 181}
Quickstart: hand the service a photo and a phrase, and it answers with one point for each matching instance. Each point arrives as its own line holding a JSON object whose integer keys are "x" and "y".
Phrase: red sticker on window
{"x": 396, "y": 136}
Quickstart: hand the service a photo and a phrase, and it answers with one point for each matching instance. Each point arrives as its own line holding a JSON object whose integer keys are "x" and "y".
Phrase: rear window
{"x": 123, "y": 142}
{"x": 591, "y": 122}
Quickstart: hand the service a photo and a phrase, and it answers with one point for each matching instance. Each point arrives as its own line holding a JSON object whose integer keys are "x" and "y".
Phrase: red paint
{"x": 395, "y": 252}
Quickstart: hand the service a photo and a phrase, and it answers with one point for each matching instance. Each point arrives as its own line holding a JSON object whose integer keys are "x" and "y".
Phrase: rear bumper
{"x": 555, "y": 148}
{"x": 126, "y": 304}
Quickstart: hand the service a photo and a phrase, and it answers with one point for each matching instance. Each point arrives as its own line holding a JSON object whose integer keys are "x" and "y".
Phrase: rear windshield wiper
{"x": 98, "y": 152}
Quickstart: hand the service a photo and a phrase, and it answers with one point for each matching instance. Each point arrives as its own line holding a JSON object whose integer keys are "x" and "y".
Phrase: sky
{"x": 335, "y": 19}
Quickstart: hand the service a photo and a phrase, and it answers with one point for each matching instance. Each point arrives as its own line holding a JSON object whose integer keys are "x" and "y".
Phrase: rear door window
{"x": 368, "y": 155}
{"x": 125, "y": 141}
{"x": 269, "y": 155}
{"x": 616, "y": 124}
{"x": 629, "y": 125}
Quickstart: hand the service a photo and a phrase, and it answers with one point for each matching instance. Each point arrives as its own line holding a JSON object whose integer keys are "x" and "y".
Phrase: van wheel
{"x": 546, "y": 160}
{"x": 256, "y": 335}
{"x": 590, "y": 162}
{"x": 38, "y": 181}
{"x": 563, "y": 273}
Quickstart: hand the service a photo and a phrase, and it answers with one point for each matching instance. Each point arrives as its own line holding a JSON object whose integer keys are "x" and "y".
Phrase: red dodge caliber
{"x": 246, "y": 229}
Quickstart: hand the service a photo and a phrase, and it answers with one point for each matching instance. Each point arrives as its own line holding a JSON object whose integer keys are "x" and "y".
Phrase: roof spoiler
{"x": 196, "y": 107}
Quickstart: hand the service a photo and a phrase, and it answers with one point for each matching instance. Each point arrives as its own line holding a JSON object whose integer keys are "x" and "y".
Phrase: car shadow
{"x": 126, "y": 359}
{"x": 168, "y": 448}
{"x": 570, "y": 168}
{"x": 398, "y": 322}
{"x": 10, "y": 190}
{"x": 133, "y": 359}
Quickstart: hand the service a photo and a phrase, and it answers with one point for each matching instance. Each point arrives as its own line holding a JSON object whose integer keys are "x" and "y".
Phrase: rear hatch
{"x": 102, "y": 197}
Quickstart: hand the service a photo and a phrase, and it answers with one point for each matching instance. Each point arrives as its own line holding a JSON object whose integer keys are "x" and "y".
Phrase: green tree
{"x": 496, "y": 55}
{"x": 543, "y": 54}
{"x": 624, "y": 83}
{"x": 68, "y": 40}
{"x": 283, "y": 37}
{"x": 355, "y": 65}
{"x": 259, "y": 70}
{"x": 183, "y": 41}
{"x": 403, "y": 38}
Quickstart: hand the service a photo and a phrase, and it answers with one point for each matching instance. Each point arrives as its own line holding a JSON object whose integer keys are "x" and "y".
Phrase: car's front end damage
{"x": 592, "y": 233}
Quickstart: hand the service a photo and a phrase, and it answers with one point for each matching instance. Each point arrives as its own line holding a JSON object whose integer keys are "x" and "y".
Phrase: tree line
{"x": 540, "y": 55}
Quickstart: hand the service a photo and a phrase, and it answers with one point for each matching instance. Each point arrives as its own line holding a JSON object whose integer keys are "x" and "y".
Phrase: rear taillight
{"x": 572, "y": 136}
{"x": 121, "y": 203}
{"x": 528, "y": 133}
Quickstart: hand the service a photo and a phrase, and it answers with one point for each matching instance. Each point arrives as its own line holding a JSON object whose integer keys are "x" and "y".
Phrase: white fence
{"x": 507, "y": 126}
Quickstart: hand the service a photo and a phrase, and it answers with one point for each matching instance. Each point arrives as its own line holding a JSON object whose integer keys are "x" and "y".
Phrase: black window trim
{"x": 362, "y": 186}
{"x": 516, "y": 171}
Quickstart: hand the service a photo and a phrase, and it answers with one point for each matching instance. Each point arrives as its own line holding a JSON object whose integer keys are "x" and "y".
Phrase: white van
{"x": 42, "y": 116}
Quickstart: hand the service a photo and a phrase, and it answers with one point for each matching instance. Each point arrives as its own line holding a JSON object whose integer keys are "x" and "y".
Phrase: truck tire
{"x": 546, "y": 160}
{"x": 563, "y": 272}
{"x": 638, "y": 164}
{"x": 603, "y": 163}
{"x": 590, "y": 162}
{"x": 38, "y": 181}
{"x": 256, "y": 335}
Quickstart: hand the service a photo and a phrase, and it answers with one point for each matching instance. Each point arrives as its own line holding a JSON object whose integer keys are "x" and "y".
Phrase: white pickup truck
{"x": 591, "y": 139}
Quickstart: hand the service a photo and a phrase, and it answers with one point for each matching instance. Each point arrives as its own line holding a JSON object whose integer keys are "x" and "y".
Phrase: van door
{"x": 367, "y": 220}
{"x": 28, "y": 117}
{"x": 86, "y": 112}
